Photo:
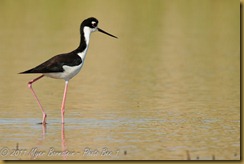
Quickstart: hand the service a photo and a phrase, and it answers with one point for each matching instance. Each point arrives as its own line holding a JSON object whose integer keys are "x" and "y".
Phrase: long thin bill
{"x": 100, "y": 30}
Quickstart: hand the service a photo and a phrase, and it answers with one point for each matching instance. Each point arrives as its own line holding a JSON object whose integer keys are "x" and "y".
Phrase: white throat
{"x": 87, "y": 33}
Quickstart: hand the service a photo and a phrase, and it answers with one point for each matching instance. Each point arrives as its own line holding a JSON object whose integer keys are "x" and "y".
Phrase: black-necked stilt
{"x": 66, "y": 66}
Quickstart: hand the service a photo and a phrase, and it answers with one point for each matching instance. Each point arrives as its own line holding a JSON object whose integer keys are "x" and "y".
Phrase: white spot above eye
{"x": 93, "y": 22}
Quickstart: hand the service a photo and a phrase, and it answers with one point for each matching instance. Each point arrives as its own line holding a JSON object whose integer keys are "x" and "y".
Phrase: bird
{"x": 65, "y": 66}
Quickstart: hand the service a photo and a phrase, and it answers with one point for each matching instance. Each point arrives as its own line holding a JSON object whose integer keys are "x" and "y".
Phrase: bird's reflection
{"x": 44, "y": 130}
{"x": 63, "y": 143}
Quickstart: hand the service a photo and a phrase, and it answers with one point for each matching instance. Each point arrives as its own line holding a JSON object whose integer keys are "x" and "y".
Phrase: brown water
{"x": 167, "y": 89}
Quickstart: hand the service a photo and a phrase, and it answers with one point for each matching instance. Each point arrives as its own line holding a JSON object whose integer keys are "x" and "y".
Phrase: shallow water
{"x": 167, "y": 89}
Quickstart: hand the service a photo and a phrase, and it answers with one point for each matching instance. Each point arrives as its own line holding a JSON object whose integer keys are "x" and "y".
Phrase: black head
{"x": 90, "y": 22}
{"x": 90, "y": 25}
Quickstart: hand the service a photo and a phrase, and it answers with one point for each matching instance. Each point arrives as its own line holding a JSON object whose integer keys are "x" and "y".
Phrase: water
{"x": 167, "y": 89}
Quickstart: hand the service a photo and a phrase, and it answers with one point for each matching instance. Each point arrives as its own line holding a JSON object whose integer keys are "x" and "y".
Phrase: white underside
{"x": 69, "y": 72}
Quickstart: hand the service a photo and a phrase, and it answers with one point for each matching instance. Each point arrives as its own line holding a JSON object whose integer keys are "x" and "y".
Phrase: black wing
{"x": 56, "y": 63}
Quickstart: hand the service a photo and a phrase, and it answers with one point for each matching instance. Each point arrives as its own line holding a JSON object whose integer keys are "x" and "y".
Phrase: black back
{"x": 56, "y": 63}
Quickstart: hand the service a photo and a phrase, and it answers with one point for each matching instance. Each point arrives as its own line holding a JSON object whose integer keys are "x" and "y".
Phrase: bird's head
{"x": 90, "y": 25}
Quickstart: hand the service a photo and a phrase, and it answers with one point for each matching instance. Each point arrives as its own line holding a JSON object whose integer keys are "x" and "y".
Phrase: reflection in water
{"x": 63, "y": 142}
{"x": 44, "y": 127}
{"x": 36, "y": 152}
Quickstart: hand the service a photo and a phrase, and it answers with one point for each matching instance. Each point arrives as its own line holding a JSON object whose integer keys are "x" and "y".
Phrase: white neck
{"x": 87, "y": 33}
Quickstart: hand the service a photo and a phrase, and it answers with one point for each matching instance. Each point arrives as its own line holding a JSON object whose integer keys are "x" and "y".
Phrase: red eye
{"x": 94, "y": 24}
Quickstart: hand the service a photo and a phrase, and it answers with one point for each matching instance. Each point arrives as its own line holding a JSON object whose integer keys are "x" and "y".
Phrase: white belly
{"x": 69, "y": 72}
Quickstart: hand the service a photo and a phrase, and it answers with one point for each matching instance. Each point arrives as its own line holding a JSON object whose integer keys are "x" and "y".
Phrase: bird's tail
{"x": 28, "y": 71}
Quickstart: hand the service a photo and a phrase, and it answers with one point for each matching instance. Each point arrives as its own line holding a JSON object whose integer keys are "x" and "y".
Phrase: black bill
{"x": 100, "y": 30}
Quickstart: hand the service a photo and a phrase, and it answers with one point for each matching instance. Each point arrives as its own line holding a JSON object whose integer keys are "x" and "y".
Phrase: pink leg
{"x": 63, "y": 102}
{"x": 44, "y": 115}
